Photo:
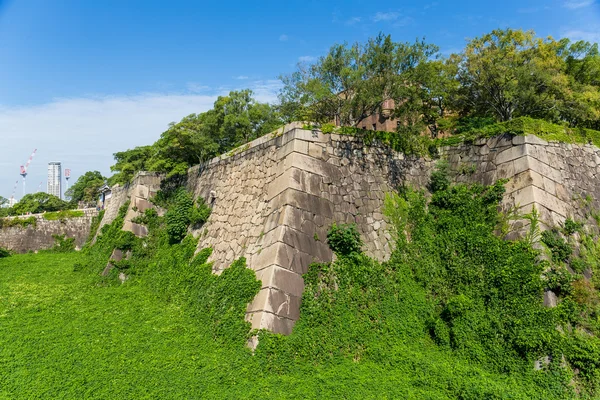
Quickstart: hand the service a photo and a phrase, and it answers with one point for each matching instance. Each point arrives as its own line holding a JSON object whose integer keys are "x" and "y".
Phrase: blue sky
{"x": 80, "y": 80}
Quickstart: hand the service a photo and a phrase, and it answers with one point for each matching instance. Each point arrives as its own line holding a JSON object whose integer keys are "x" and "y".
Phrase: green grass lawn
{"x": 64, "y": 336}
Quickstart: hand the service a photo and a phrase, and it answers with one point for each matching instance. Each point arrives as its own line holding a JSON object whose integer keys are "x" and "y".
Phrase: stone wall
{"x": 561, "y": 180}
{"x": 22, "y": 240}
{"x": 274, "y": 199}
{"x": 139, "y": 191}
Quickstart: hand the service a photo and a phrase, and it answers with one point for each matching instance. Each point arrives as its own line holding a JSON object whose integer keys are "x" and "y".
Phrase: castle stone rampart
{"x": 274, "y": 199}
{"x": 39, "y": 237}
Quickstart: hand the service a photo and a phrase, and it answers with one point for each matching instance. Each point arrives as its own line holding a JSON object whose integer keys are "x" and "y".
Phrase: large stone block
{"x": 282, "y": 279}
{"x": 270, "y": 321}
{"x": 277, "y": 302}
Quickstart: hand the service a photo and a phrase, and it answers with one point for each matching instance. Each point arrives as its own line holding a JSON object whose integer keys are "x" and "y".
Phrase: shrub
{"x": 4, "y": 253}
{"x": 344, "y": 239}
{"x": 570, "y": 227}
{"x": 63, "y": 244}
{"x": 439, "y": 178}
{"x": 62, "y": 215}
{"x": 561, "y": 250}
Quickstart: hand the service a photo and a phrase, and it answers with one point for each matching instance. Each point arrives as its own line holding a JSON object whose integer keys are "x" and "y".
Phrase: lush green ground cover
{"x": 64, "y": 336}
{"x": 456, "y": 313}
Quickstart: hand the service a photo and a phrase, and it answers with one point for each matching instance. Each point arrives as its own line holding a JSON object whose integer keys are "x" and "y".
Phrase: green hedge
{"x": 61, "y": 215}
{"x": 21, "y": 222}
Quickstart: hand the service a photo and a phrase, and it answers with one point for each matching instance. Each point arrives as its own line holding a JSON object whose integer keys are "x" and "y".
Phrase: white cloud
{"x": 83, "y": 133}
{"x": 575, "y": 4}
{"x": 241, "y": 77}
{"x": 197, "y": 87}
{"x": 385, "y": 16}
{"x": 266, "y": 91}
{"x": 592, "y": 36}
{"x": 353, "y": 20}
{"x": 306, "y": 59}
{"x": 283, "y": 38}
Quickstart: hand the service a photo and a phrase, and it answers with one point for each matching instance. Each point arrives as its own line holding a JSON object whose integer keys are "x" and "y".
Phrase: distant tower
{"x": 54, "y": 179}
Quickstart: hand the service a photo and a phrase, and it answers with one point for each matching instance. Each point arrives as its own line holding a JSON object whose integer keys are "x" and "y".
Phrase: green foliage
{"x": 351, "y": 82}
{"x": 63, "y": 244}
{"x": 561, "y": 250}
{"x": 62, "y": 215}
{"x": 456, "y": 312}
{"x": 235, "y": 119}
{"x": 344, "y": 239}
{"x": 200, "y": 213}
{"x": 498, "y": 77}
{"x": 570, "y": 227}
{"x": 4, "y": 253}
{"x": 35, "y": 203}
{"x": 440, "y": 179}
{"x": 86, "y": 187}
{"x": 182, "y": 213}
{"x": 128, "y": 163}
{"x": 96, "y": 220}
{"x": 146, "y": 218}
{"x": 178, "y": 217}
{"x": 21, "y": 222}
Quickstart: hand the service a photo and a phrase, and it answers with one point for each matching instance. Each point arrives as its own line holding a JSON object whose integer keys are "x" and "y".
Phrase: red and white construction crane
{"x": 12, "y": 198}
{"x": 24, "y": 169}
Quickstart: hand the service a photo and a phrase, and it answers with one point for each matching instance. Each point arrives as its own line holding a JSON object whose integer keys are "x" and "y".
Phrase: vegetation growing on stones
{"x": 344, "y": 239}
{"x": 22, "y": 222}
{"x": 4, "y": 253}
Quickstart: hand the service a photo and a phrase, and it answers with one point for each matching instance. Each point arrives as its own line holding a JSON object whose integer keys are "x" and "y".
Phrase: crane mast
{"x": 24, "y": 169}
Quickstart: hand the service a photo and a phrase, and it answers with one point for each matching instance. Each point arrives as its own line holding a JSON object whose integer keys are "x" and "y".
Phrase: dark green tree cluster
{"x": 85, "y": 189}
{"x": 34, "y": 203}
{"x": 497, "y": 77}
{"x": 234, "y": 120}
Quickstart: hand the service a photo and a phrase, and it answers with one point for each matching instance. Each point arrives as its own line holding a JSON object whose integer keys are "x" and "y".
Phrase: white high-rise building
{"x": 54, "y": 179}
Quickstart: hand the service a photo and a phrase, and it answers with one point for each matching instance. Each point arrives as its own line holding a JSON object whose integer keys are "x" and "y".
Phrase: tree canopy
{"x": 86, "y": 187}
{"x": 499, "y": 76}
{"x": 35, "y": 203}
{"x": 234, "y": 120}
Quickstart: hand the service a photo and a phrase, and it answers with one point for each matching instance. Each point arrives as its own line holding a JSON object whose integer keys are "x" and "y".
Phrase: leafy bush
{"x": 182, "y": 213}
{"x": 561, "y": 250}
{"x": 439, "y": 177}
{"x": 4, "y": 253}
{"x": 62, "y": 215}
{"x": 200, "y": 213}
{"x": 344, "y": 239}
{"x": 63, "y": 244}
{"x": 20, "y": 222}
{"x": 570, "y": 227}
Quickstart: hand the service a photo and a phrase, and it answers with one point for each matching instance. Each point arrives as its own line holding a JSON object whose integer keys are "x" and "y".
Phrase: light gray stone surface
{"x": 277, "y": 196}
{"x": 22, "y": 240}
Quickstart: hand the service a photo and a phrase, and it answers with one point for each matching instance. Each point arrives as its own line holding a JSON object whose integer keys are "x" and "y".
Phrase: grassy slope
{"x": 64, "y": 336}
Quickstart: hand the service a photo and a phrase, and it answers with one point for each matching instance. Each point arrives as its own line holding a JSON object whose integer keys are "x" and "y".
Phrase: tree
{"x": 427, "y": 96}
{"x": 234, "y": 120}
{"x": 86, "y": 187}
{"x": 3, "y": 201}
{"x": 128, "y": 163}
{"x": 509, "y": 73}
{"x": 581, "y": 104}
{"x": 351, "y": 83}
{"x": 38, "y": 203}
